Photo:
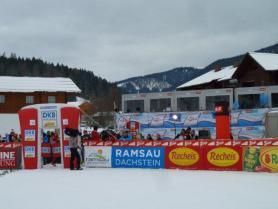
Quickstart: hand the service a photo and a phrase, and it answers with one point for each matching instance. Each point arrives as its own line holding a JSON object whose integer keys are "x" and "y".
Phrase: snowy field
{"x": 55, "y": 188}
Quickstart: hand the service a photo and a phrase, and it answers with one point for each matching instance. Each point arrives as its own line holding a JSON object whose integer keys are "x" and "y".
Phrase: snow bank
{"x": 56, "y": 188}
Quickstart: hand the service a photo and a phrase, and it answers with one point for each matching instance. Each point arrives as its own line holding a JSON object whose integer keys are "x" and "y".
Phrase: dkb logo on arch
{"x": 49, "y": 115}
{"x": 138, "y": 157}
{"x": 49, "y": 119}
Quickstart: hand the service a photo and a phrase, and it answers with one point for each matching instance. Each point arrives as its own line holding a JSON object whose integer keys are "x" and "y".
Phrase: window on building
{"x": 188, "y": 104}
{"x": 211, "y": 100}
{"x": 249, "y": 101}
{"x": 274, "y": 99}
{"x": 51, "y": 99}
{"x": 71, "y": 99}
{"x": 134, "y": 106}
{"x": 29, "y": 99}
{"x": 160, "y": 105}
{"x": 2, "y": 99}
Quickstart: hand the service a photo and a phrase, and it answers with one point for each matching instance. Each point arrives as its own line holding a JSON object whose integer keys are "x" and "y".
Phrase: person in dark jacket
{"x": 74, "y": 144}
{"x": 149, "y": 137}
{"x": 184, "y": 134}
{"x": 188, "y": 133}
{"x": 181, "y": 135}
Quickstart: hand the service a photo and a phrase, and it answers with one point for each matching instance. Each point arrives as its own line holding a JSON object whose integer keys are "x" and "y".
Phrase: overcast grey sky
{"x": 118, "y": 39}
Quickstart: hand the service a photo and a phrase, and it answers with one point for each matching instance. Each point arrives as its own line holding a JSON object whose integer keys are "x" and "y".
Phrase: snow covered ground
{"x": 56, "y": 188}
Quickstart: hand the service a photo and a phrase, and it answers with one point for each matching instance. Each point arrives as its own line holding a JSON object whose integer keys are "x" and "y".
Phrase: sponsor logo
{"x": 49, "y": 119}
{"x": 269, "y": 158}
{"x": 4, "y": 155}
{"x": 49, "y": 115}
{"x": 30, "y": 135}
{"x": 183, "y": 156}
{"x": 66, "y": 151}
{"x": 223, "y": 156}
{"x": 138, "y": 157}
{"x": 32, "y": 122}
{"x": 46, "y": 150}
{"x": 56, "y": 150}
{"x": 98, "y": 156}
{"x": 7, "y": 159}
{"x": 29, "y": 151}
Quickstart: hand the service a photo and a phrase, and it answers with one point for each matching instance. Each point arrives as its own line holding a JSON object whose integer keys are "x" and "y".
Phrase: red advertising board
{"x": 69, "y": 118}
{"x": 260, "y": 158}
{"x": 189, "y": 157}
{"x": 51, "y": 150}
{"x": 10, "y": 158}
{"x": 29, "y": 129}
{"x": 223, "y": 158}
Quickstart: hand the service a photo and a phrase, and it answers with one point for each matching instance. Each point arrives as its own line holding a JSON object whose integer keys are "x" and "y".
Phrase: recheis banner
{"x": 99, "y": 157}
{"x": 138, "y": 157}
{"x": 260, "y": 159}
{"x": 189, "y": 158}
{"x": 223, "y": 158}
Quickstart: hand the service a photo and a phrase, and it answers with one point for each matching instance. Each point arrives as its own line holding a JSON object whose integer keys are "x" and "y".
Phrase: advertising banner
{"x": 67, "y": 152}
{"x": 138, "y": 157}
{"x": 245, "y": 124}
{"x": 190, "y": 158}
{"x": 29, "y": 125}
{"x": 46, "y": 150}
{"x": 98, "y": 157}
{"x": 29, "y": 151}
{"x": 223, "y": 158}
{"x": 69, "y": 118}
{"x": 260, "y": 159}
{"x": 49, "y": 119}
{"x": 56, "y": 150}
{"x": 253, "y": 117}
{"x": 10, "y": 158}
{"x": 30, "y": 135}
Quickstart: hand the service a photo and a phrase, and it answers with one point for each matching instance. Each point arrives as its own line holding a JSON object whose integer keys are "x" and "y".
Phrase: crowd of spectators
{"x": 105, "y": 135}
{"x": 11, "y": 137}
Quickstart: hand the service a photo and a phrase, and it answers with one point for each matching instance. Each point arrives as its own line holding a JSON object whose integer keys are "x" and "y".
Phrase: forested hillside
{"x": 98, "y": 90}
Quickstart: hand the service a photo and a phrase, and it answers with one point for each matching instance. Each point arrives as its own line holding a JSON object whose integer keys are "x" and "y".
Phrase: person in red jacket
{"x": 54, "y": 143}
{"x": 95, "y": 135}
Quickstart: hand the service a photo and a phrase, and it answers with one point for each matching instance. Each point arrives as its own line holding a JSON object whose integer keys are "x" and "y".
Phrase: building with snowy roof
{"x": 214, "y": 79}
{"x": 256, "y": 69}
{"x": 251, "y": 84}
{"x": 17, "y": 92}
